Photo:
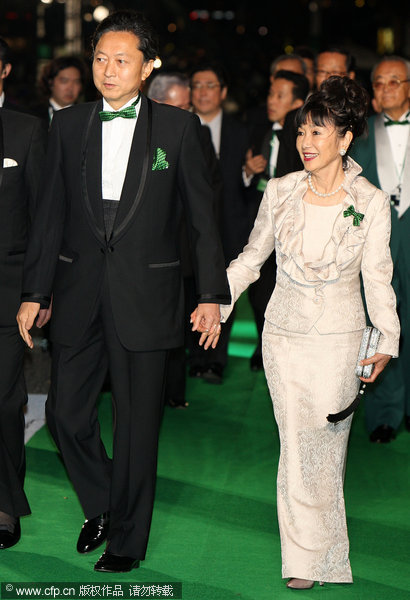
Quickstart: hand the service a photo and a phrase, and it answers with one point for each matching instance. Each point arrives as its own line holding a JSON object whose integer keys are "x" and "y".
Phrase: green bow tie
{"x": 357, "y": 217}
{"x": 125, "y": 113}
{"x": 391, "y": 122}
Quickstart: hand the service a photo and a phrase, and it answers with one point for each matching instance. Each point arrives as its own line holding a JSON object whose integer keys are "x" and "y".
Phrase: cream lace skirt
{"x": 310, "y": 376}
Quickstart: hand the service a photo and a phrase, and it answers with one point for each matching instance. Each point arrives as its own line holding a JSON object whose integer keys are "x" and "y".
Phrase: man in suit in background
{"x": 209, "y": 88}
{"x": 333, "y": 61}
{"x": 61, "y": 83}
{"x": 272, "y": 156}
{"x": 105, "y": 244}
{"x": 384, "y": 156}
{"x": 174, "y": 89}
{"x": 22, "y": 149}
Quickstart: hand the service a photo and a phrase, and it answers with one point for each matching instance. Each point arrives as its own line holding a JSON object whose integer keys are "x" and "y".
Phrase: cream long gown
{"x": 313, "y": 327}
{"x": 310, "y": 501}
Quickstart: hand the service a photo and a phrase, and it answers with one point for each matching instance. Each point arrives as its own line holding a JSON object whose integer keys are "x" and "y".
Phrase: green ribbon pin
{"x": 357, "y": 217}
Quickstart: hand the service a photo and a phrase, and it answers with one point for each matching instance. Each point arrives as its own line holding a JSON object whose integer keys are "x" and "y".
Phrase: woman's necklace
{"x": 314, "y": 190}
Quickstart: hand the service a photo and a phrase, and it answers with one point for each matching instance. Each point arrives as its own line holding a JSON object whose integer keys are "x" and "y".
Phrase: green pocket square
{"x": 160, "y": 160}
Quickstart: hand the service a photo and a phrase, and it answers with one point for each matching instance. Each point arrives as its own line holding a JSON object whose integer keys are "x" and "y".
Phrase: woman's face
{"x": 319, "y": 146}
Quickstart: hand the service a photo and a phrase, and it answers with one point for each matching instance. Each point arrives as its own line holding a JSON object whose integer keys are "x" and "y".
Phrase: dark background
{"x": 244, "y": 35}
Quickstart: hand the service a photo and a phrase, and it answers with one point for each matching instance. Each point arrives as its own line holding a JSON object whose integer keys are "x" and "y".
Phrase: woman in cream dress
{"x": 328, "y": 224}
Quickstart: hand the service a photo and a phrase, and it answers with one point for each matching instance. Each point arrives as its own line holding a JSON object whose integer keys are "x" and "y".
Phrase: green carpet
{"x": 214, "y": 526}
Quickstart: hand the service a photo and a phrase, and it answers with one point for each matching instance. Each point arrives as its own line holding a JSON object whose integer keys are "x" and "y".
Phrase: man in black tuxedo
{"x": 209, "y": 88}
{"x": 22, "y": 150}
{"x": 272, "y": 154}
{"x": 105, "y": 244}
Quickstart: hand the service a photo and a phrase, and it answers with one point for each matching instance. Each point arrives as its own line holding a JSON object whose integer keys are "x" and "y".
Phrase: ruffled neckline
{"x": 338, "y": 252}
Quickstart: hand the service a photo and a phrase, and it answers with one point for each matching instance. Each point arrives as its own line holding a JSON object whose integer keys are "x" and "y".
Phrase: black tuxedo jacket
{"x": 22, "y": 146}
{"x": 68, "y": 254}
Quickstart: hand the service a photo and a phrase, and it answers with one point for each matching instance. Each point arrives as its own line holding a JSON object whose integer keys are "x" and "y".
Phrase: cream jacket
{"x": 324, "y": 294}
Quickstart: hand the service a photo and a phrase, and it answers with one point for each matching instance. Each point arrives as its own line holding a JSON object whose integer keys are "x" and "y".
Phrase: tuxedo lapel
{"x": 405, "y": 191}
{"x": 1, "y": 150}
{"x": 385, "y": 165}
{"x": 134, "y": 167}
{"x": 94, "y": 167}
{"x": 138, "y": 169}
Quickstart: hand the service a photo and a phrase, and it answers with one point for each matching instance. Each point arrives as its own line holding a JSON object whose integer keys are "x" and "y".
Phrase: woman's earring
{"x": 342, "y": 152}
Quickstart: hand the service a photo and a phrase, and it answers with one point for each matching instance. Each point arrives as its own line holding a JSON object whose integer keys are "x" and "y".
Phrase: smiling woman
{"x": 328, "y": 226}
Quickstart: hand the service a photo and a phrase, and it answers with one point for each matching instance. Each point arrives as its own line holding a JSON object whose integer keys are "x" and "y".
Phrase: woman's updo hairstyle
{"x": 341, "y": 102}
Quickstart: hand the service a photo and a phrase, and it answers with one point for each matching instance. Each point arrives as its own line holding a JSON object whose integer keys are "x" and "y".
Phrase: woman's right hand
{"x": 380, "y": 361}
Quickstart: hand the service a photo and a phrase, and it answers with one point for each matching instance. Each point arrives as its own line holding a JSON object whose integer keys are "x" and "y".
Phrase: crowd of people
{"x": 133, "y": 223}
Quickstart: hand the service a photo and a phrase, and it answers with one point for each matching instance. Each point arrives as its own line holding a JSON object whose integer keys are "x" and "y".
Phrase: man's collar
{"x": 56, "y": 106}
{"x": 107, "y": 105}
{"x": 1, "y": 99}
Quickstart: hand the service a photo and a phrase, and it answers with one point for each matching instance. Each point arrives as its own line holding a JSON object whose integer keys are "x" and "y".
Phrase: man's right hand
{"x": 25, "y": 319}
{"x": 254, "y": 164}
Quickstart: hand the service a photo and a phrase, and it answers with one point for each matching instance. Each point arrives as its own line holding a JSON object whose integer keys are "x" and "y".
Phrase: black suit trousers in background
{"x": 13, "y": 397}
{"x": 124, "y": 485}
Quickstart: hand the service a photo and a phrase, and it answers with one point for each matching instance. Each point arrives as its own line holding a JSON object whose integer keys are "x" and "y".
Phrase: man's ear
{"x": 224, "y": 91}
{"x": 352, "y": 75}
{"x": 6, "y": 71}
{"x": 147, "y": 69}
{"x": 297, "y": 103}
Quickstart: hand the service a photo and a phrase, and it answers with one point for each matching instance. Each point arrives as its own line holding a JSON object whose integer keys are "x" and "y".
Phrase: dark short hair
{"x": 341, "y": 102}
{"x": 5, "y": 52}
{"x": 300, "y": 88}
{"x": 133, "y": 22}
{"x": 350, "y": 60}
{"x": 53, "y": 68}
{"x": 305, "y": 52}
{"x": 216, "y": 68}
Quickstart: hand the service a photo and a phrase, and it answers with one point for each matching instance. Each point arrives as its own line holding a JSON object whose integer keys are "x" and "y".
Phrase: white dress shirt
{"x": 215, "y": 126}
{"x": 116, "y": 146}
{"x": 1, "y": 100}
{"x": 398, "y": 136}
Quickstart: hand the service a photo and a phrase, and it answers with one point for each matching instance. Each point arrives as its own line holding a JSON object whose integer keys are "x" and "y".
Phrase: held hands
{"x": 254, "y": 164}
{"x": 26, "y": 317}
{"x": 380, "y": 361}
{"x": 206, "y": 319}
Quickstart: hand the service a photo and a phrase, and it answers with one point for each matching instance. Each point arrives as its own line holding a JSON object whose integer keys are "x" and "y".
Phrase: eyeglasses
{"x": 209, "y": 85}
{"x": 392, "y": 84}
{"x": 327, "y": 74}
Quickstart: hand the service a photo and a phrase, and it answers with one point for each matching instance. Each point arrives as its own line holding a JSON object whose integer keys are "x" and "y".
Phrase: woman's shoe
{"x": 300, "y": 584}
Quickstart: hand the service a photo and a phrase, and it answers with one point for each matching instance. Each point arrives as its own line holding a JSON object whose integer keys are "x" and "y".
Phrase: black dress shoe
{"x": 256, "y": 362}
{"x": 9, "y": 535}
{"x": 383, "y": 434}
{"x": 176, "y": 402}
{"x": 93, "y": 533}
{"x": 196, "y": 371}
{"x": 213, "y": 373}
{"x": 113, "y": 563}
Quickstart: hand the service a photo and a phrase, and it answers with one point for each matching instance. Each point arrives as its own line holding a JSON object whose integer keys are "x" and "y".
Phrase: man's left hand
{"x": 206, "y": 319}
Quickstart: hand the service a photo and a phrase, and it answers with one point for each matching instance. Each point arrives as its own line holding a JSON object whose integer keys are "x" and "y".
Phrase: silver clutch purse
{"x": 368, "y": 347}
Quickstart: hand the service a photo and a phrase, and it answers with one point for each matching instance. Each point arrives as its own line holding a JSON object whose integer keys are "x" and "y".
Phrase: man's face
{"x": 66, "y": 86}
{"x": 207, "y": 94}
{"x": 119, "y": 67}
{"x": 331, "y": 63}
{"x": 179, "y": 96}
{"x": 280, "y": 100}
{"x": 389, "y": 95}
